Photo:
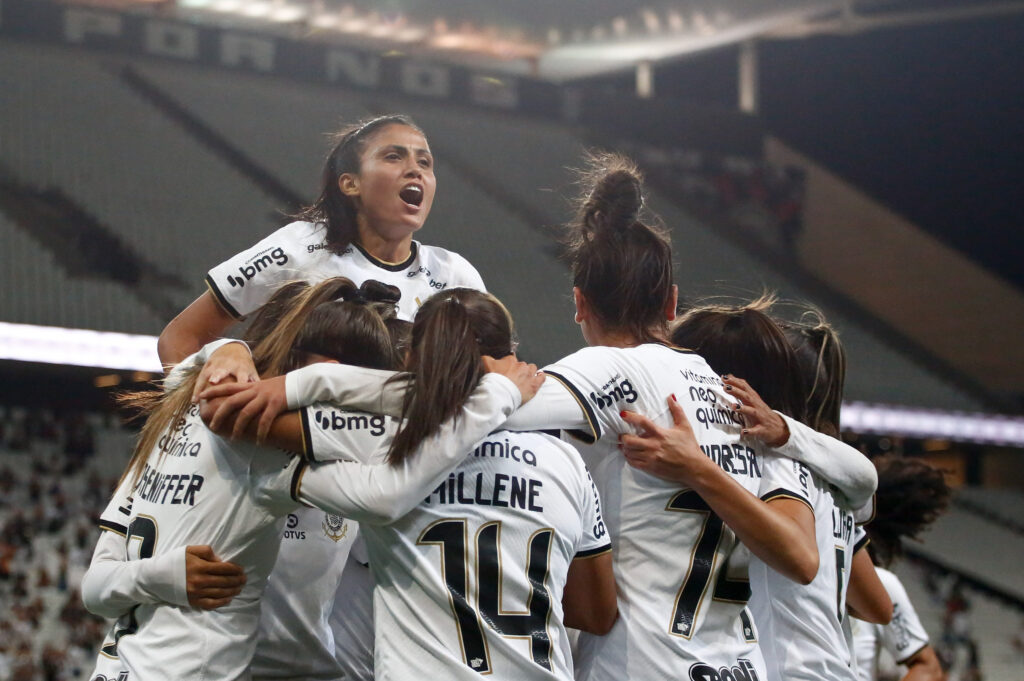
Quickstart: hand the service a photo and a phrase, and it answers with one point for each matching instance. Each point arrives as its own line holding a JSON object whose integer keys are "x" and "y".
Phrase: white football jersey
{"x": 801, "y": 626}
{"x": 202, "y": 491}
{"x": 295, "y": 635}
{"x": 470, "y": 582}
{"x": 902, "y": 638}
{"x": 297, "y": 251}
{"x": 683, "y": 585}
{"x": 352, "y": 621}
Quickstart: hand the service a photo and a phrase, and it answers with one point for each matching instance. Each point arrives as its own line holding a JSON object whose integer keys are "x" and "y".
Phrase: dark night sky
{"x": 929, "y": 120}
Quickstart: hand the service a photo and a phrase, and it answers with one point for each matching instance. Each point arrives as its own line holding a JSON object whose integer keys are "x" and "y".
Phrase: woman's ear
{"x": 582, "y": 307}
{"x": 348, "y": 183}
{"x": 670, "y": 306}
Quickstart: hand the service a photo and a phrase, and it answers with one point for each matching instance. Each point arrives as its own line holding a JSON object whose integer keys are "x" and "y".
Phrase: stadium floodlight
{"x": 78, "y": 347}
{"x": 876, "y": 419}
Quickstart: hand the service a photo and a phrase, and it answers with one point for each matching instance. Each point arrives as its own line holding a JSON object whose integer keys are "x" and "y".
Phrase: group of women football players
{"x": 351, "y": 495}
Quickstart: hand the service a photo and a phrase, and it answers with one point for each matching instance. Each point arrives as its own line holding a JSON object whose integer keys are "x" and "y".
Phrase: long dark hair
{"x": 333, "y": 209}
{"x": 334, "y": 318}
{"x": 744, "y": 340}
{"x": 822, "y": 365}
{"x": 911, "y": 495}
{"x": 450, "y": 334}
{"x": 622, "y": 265}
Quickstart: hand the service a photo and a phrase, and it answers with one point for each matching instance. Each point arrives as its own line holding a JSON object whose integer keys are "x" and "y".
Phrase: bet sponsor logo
{"x": 259, "y": 262}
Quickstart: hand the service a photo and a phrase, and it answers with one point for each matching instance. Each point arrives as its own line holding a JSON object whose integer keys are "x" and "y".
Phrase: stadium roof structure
{"x": 562, "y": 40}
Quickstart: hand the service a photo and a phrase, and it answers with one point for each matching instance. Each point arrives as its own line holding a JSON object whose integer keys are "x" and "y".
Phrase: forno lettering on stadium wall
{"x": 108, "y": 29}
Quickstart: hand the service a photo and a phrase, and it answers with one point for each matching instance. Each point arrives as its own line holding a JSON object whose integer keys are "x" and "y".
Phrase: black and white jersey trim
{"x": 221, "y": 300}
{"x": 780, "y": 493}
{"x": 390, "y": 266}
{"x": 595, "y": 427}
{"x": 300, "y": 470}
{"x": 864, "y": 541}
{"x": 590, "y": 553}
{"x": 117, "y": 528}
{"x": 307, "y": 436}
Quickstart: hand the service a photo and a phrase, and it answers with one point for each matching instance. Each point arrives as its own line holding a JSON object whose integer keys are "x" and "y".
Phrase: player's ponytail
{"x": 622, "y": 265}
{"x": 822, "y": 363}
{"x": 332, "y": 208}
{"x": 450, "y": 334}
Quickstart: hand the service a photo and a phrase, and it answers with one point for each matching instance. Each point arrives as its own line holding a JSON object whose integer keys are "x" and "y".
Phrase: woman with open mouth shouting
{"x": 377, "y": 188}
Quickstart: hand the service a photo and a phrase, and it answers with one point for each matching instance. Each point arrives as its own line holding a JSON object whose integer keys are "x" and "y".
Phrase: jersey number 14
{"x": 450, "y": 534}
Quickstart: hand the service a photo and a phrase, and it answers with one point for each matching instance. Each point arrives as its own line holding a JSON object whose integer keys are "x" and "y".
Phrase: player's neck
{"x": 383, "y": 248}
{"x": 613, "y": 339}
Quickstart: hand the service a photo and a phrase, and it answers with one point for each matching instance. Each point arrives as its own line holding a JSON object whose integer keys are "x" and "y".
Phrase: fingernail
{"x": 744, "y": 432}
{"x": 674, "y": 397}
{"x": 622, "y": 414}
{"x": 728, "y": 388}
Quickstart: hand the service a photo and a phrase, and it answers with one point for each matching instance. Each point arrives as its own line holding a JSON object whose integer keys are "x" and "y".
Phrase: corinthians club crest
{"x": 335, "y": 526}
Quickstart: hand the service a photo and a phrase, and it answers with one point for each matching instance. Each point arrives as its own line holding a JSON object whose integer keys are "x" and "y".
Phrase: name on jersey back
{"x": 504, "y": 490}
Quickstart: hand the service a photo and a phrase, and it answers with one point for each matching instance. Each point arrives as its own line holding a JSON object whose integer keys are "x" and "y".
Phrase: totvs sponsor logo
{"x": 257, "y": 264}
{"x": 742, "y": 671}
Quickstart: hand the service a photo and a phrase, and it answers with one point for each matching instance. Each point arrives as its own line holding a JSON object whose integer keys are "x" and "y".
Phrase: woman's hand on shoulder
{"x": 524, "y": 375}
{"x": 760, "y": 422}
{"x": 232, "y": 361}
{"x": 668, "y": 453}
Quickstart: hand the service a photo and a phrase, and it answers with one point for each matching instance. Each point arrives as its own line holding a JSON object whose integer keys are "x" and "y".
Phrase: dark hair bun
{"x": 378, "y": 292}
{"x": 616, "y": 198}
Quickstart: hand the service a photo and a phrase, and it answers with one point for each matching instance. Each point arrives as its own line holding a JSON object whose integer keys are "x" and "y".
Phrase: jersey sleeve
{"x": 383, "y": 493}
{"x": 371, "y": 390}
{"x": 118, "y": 513}
{"x": 784, "y": 478}
{"x": 860, "y": 538}
{"x": 594, "y": 540}
{"x": 113, "y": 584}
{"x": 553, "y": 408}
{"x": 330, "y": 433}
{"x": 904, "y": 636}
{"x": 588, "y": 373}
{"x": 244, "y": 282}
{"x": 835, "y": 461}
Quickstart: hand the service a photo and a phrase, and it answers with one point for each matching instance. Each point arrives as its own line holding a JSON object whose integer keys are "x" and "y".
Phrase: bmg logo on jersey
{"x": 335, "y": 420}
{"x": 258, "y": 263}
{"x": 614, "y": 391}
{"x": 743, "y": 670}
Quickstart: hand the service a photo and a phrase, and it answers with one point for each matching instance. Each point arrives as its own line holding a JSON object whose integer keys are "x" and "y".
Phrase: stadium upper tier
{"x": 70, "y": 122}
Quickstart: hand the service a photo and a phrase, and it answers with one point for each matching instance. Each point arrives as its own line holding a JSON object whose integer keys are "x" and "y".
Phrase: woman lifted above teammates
{"x": 377, "y": 189}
